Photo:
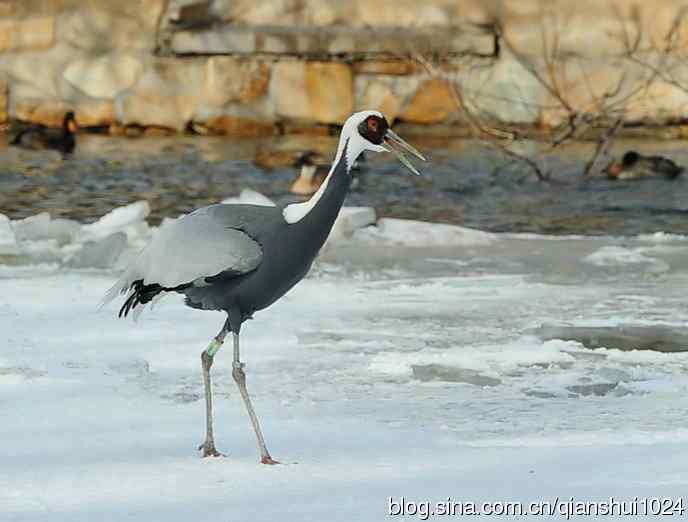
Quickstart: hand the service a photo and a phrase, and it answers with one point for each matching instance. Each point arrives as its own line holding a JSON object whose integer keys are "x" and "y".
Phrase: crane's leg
{"x": 240, "y": 379}
{"x": 208, "y": 447}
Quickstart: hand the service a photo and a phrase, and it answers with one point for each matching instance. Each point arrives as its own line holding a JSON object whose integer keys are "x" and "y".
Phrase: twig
{"x": 602, "y": 146}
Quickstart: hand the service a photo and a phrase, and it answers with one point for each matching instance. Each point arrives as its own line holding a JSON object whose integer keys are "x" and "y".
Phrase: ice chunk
{"x": 660, "y": 338}
{"x": 351, "y": 219}
{"x": 598, "y": 389}
{"x": 663, "y": 237}
{"x": 616, "y": 255}
{"x": 41, "y": 227}
{"x": 127, "y": 219}
{"x": 250, "y": 197}
{"x": 100, "y": 254}
{"x": 443, "y": 373}
{"x": 419, "y": 233}
{"x": 8, "y": 243}
{"x": 619, "y": 256}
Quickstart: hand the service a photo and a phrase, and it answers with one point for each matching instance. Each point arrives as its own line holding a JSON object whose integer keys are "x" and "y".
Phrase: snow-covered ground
{"x": 399, "y": 367}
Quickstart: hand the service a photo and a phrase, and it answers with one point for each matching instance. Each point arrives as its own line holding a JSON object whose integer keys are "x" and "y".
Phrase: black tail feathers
{"x": 141, "y": 294}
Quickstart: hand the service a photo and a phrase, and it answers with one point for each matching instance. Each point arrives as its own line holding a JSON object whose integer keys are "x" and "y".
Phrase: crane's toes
{"x": 209, "y": 450}
{"x": 269, "y": 460}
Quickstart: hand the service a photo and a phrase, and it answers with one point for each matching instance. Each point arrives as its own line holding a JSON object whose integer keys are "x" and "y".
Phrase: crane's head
{"x": 369, "y": 130}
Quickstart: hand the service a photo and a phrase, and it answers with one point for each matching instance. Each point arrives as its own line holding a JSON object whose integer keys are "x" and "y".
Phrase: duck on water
{"x": 40, "y": 137}
{"x": 242, "y": 258}
{"x": 636, "y": 166}
{"x": 312, "y": 174}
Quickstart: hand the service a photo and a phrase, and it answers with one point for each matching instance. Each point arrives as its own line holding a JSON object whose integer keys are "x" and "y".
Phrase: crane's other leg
{"x": 208, "y": 447}
{"x": 240, "y": 379}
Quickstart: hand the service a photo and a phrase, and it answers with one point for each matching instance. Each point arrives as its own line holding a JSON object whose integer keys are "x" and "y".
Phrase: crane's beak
{"x": 392, "y": 140}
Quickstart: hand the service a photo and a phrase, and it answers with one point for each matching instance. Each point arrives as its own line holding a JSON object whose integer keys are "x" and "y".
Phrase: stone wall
{"x": 247, "y": 67}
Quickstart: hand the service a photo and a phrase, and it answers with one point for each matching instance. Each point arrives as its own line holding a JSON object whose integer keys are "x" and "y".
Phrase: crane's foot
{"x": 267, "y": 459}
{"x": 208, "y": 449}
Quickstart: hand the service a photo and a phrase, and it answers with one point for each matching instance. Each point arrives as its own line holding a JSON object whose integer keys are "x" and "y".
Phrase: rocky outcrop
{"x": 251, "y": 68}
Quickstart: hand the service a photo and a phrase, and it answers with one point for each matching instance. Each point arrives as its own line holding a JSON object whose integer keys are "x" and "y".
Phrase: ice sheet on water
{"x": 375, "y": 376}
{"x": 413, "y": 233}
{"x": 489, "y": 361}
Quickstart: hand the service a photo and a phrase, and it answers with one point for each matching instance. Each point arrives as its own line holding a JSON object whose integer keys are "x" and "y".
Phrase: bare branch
{"x": 602, "y": 147}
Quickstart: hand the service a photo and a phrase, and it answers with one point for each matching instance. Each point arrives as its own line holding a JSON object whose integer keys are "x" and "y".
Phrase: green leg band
{"x": 213, "y": 347}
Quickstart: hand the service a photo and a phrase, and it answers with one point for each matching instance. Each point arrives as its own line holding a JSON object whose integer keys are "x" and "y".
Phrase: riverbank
{"x": 463, "y": 183}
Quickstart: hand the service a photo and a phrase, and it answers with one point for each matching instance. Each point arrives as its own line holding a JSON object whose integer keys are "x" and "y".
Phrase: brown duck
{"x": 312, "y": 174}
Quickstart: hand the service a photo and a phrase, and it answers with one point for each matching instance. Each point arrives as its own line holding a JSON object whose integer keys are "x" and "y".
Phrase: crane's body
{"x": 242, "y": 258}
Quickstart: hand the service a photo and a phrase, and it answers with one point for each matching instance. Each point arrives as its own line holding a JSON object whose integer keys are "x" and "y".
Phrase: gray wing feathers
{"x": 198, "y": 245}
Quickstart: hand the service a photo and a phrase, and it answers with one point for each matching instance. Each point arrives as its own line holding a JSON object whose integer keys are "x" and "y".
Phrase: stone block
{"x": 104, "y": 76}
{"x": 239, "y": 126}
{"x": 27, "y": 34}
{"x": 312, "y": 91}
{"x": 433, "y": 102}
{"x": 167, "y": 95}
{"x": 229, "y": 79}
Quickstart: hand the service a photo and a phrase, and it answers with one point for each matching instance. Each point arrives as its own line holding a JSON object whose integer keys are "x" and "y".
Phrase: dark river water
{"x": 462, "y": 183}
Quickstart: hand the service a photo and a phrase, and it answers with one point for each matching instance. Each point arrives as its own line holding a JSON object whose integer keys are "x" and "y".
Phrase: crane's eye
{"x": 373, "y": 129}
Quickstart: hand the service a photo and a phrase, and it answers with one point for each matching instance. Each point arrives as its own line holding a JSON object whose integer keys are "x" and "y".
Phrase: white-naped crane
{"x": 242, "y": 258}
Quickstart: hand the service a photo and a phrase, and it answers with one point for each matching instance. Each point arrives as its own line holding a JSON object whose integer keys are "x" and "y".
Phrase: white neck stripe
{"x": 349, "y": 140}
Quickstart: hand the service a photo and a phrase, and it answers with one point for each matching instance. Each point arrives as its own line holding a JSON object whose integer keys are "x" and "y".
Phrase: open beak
{"x": 392, "y": 140}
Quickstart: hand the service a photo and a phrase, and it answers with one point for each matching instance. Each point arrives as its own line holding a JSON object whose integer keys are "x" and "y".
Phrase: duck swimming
{"x": 635, "y": 166}
{"x": 312, "y": 174}
{"x": 39, "y": 137}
